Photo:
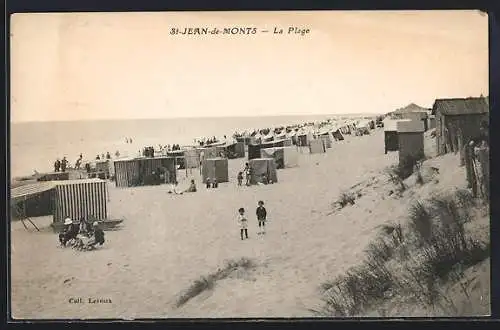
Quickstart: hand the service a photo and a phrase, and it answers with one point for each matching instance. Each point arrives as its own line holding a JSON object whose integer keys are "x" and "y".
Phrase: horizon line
{"x": 200, "y": 117}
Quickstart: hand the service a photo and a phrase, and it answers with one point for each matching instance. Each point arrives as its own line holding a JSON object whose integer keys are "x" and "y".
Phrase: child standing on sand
{"x": 243, "y": 222}
{"x": 261, "y": 217}
{"x": 240, "y": 178}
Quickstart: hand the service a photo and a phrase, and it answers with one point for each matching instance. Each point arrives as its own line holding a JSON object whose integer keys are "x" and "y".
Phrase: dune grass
{"x": 436, "y": 249}
{"x": 207, "y": 282}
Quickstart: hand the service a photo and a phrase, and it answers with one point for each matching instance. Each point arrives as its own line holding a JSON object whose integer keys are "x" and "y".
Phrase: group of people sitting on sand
{"x": 81, "y": 235}
{"x": 191, "y": 188}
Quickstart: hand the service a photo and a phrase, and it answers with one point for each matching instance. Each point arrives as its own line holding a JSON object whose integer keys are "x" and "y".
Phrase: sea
{"x": 36, "y": 145}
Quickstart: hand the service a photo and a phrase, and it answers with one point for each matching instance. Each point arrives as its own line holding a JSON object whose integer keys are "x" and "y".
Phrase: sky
{"x": 90, "y": 66}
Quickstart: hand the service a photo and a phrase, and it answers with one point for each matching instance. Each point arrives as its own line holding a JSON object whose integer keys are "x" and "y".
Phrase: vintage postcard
{"x": 249, "y": 164}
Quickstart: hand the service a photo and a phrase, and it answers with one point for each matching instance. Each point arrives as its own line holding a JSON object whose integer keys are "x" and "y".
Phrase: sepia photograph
{"x": 249, "y": 164}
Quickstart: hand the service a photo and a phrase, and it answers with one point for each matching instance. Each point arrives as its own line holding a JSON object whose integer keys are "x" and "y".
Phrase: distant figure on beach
{"x": 117, "y": 154}
{"x": 240, "y": 178}
{"x": 87, "y": 167}
{"x": 173, "y": 188}
{"x": 130, "y": 140}
{"x": 208, "y": 183}
{"x": 64, "y": 164}
{"x": 57, "y": 165}
{"x": 247, "y": 174}
{"x": 126, "y": 140}
{"x": 261, "y": 217}
{"x": 97, "y": 157}
{"x": 215, "y": 184}
{"x": 78, "y": 163}
{"x": 102, "y": 156}
{"x": 192, "y": 187}
{"x": 108, "y": 155}
{"x": 243, "y": 222}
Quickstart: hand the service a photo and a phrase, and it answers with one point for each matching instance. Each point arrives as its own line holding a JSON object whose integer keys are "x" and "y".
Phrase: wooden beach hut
{"x": 254, "y": 151}
{"x": 391, "y": 141}
{"x": 235, "y": 150}
{"x": 105, "y": 166}
{"x": 317, "y": 146}
{"x": 327, "y": 140}
{"x": 79, "y": 199}
{"x": 215, "y": 168}
{"x": 337, "y": 135}
{"x": 32, "y": 200}
{"x": 69, "y": 174}
{"x": 458, "y": 120}
{"x": 410, "y": 140}
{"x": 192, "y": 157}
{"x": 261, "y": 167}
{"x": 284, "y": 157}
{"x": 304, "y": 138}
{"x": 139, "y": 171}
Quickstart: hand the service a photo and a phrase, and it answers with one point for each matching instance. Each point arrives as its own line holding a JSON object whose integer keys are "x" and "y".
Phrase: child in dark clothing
{"x": 240, "y": 178}
{"x": 261, "y": 217}
{"x": 208, "y": 183}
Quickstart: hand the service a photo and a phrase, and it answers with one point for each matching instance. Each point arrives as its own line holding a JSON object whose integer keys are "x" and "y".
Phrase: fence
{"x": 476, "y": 159}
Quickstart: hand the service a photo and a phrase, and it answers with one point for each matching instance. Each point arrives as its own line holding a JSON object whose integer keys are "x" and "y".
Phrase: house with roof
{"x": 413, "y": 112}
{"x": 458, "y": 120}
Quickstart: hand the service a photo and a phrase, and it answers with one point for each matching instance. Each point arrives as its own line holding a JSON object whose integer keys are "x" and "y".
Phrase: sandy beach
{"x": 168, "y": 241}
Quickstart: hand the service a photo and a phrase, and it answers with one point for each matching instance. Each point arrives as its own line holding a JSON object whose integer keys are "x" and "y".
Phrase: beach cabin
{"x": 410, "y": 140}
{"x": 235, "y": 150}
{"x": 263, "y": 167}
{"x": 337, "y": 135}
{"x": 317, "y": 146}
{"x": 458, "y": 121}
{"x": 391, "y": 141}
{"x": 79, "y": 199}
{"x": 139, "y": 171}
{"x": 192, "y": 157}
{"x": 303, "y": 138}
{"x": 363, "y": 128}
{"x": 254, "y": 151}
{"x": 69, "y": 174}
{"x": 284, "y": 157}
{"x": 105, "y": 166}
{"x": 32, "y": 200}
{"x": 327, "y": 140}
{"x": 179, "y": 158}
{"x": 215, "y": 168}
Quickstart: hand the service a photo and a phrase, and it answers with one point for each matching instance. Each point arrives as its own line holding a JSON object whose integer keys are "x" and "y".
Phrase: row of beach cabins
{"x": 74, "y": 194}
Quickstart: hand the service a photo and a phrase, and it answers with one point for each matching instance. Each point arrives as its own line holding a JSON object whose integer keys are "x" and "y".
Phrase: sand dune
{"x": 168, "y": 241}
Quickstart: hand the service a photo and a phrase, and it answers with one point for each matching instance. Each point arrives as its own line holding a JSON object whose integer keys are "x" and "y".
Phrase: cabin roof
{"x": 461, "y": 106}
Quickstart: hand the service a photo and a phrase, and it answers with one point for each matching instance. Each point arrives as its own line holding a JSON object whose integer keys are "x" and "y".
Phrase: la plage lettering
{"x": 292, "y": 30}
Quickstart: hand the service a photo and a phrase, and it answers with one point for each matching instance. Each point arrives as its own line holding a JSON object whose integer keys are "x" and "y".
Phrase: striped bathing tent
{"x": 135, "y": 172}
{"x": 79, "y": 199}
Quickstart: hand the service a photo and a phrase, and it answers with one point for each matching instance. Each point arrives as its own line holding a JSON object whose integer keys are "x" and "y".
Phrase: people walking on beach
{"x": 240, "y": 178}
{"x": 215, "y": 184}
{"x": 243, "y": 222}
{"x": 57, "y": 165}
{"x": 64, "y": 164}
{"x": 208, "y": 183}
{"x": 261, "y": 217}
